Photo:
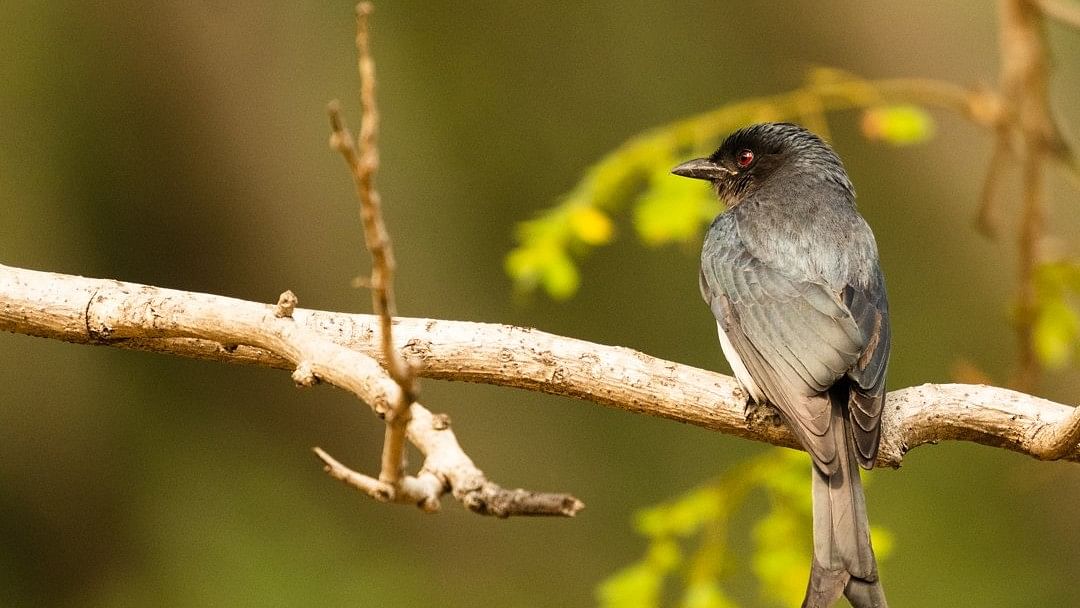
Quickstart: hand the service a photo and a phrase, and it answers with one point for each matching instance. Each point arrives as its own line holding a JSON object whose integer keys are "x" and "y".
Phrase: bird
{"x": 791, "y": 273}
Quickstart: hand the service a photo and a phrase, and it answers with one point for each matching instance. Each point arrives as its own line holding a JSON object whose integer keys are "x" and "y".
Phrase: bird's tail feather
{"x": 843, "y": 558}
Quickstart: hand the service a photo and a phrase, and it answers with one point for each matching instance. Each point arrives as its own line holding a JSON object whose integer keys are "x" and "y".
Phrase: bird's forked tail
{"x": 843, "y": 558}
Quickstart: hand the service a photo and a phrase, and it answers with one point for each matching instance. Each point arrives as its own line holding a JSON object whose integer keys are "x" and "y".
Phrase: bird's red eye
{"x": 744, "y": 158}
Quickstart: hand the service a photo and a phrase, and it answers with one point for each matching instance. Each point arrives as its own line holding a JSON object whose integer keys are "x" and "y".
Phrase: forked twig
{"x": 363, "y": 165}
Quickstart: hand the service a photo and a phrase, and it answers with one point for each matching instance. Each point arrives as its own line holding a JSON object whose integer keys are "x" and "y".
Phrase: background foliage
{"x": 184, "y": 145}
{"x": 667, "y": 210}
{"x": 708, "y": 516}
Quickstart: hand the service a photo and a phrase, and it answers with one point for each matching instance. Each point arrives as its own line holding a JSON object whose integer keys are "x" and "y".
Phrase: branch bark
{"x": 133, "y": 316}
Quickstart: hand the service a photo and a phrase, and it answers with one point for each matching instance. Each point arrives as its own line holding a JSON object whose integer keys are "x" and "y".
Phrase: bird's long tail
{"x": 843, "y": 558}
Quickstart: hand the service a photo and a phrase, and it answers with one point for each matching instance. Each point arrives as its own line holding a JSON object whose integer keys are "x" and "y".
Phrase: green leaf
{"x": 664, "y": 555}
{"x": 543, "y": 262}
{"x": 560, "y": 276}
{"x": 883, "y": 541}
{"x": 637, "y": 586}
{"x": 674, "y": 209}
{"x": 781, "y": 560}
{"x": 781, "y": 537}
{"x": 788, "y": 478}
{"x": 1057, "y": 278}
{"x": 1055, "y": 332}
{"x": 591, "y": 226}
{"x": 706, "y": 594}
{"x": 682, "y": 516}
{"x": 900, "y": 125}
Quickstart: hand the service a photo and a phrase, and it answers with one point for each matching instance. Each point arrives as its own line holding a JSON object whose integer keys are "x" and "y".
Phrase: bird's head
{"x": 751, "y": 156}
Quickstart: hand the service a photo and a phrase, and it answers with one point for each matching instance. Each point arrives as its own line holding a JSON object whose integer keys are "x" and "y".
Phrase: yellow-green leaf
{"x": 782, "y": 540}
{"x": 681, "y": 517}
{"x": 591, "y": 226}
{"x": 637, "y": 586}
{"x": 1055, "y": 332}
{"x": 664, "y": 555}
{"x": 674, "y": 209}
{"x": 900, "y": 125}
{"x": 705, "y": 594}
{"x": 560, "y": 276}
{"x": 882, "y": 540}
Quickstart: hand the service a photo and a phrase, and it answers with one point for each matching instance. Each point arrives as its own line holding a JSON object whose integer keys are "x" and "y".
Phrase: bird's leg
{"x": 761, "y": 413}
{"x": 745, "y": 394}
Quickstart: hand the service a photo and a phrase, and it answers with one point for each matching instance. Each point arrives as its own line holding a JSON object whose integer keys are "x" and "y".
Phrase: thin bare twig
{"x": 422, "y": 490}
{"x": 1025, "y": 91}
{"x": 374, "y": 488}
{"x": 363, "y": 165}
{"x": 1067, "y": 13}
{"x": 988, "y": 218}
{"x": 1031, "y": 234}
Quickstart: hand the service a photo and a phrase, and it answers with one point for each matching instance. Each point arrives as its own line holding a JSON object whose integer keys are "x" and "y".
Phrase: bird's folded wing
{"x": 870, "y": 310}
{"x": 796, "y": 338}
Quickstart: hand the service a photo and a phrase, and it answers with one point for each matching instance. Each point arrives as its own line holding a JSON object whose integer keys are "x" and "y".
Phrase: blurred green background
{"x": 184, "y": 145}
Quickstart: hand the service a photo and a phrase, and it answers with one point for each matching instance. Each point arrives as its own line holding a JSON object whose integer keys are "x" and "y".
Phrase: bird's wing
{"x": 796, "y": 339}
{"x": 870, "y": 310}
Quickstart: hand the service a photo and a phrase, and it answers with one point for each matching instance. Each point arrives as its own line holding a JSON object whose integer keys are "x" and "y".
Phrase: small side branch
{"x": 1027, "y": 115}
{"x": 363, "y": 165}
{"x": 988, "y": 220}
{"x": 1064, "y": 11}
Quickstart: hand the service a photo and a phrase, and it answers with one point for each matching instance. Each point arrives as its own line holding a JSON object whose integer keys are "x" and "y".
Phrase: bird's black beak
{"x": 701, "y": 168}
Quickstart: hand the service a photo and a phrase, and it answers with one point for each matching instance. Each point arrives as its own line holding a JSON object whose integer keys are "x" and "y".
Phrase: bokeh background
{"x": 184, "y": 145}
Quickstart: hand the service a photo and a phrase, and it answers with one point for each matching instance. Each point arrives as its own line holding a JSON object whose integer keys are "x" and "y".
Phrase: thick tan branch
{"x": 54, "y": 306}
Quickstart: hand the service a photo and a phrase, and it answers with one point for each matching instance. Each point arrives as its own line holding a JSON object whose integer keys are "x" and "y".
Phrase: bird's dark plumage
{"x": 791, "y": 274}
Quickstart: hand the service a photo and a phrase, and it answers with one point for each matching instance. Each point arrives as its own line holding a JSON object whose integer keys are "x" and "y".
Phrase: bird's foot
{"x": 761, "y": 413}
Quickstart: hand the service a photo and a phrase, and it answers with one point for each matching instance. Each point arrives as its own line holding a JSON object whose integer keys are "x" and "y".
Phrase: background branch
{"x": 1027, "y": 115}
{"x": 1065, "y": 11}
{"x": 161, "y": 320}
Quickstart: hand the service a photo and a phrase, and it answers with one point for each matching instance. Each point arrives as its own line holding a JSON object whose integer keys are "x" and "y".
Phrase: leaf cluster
{"x": 689, "y": 560}
{"x": 664, "y": 209}
{"x": 1056, "y": 329}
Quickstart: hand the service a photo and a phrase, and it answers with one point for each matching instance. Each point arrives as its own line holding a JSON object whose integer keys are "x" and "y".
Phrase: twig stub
{"x": 286, "y": 304}
{"x": 494, "y": 500}
{"x": 303, "y": 376}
